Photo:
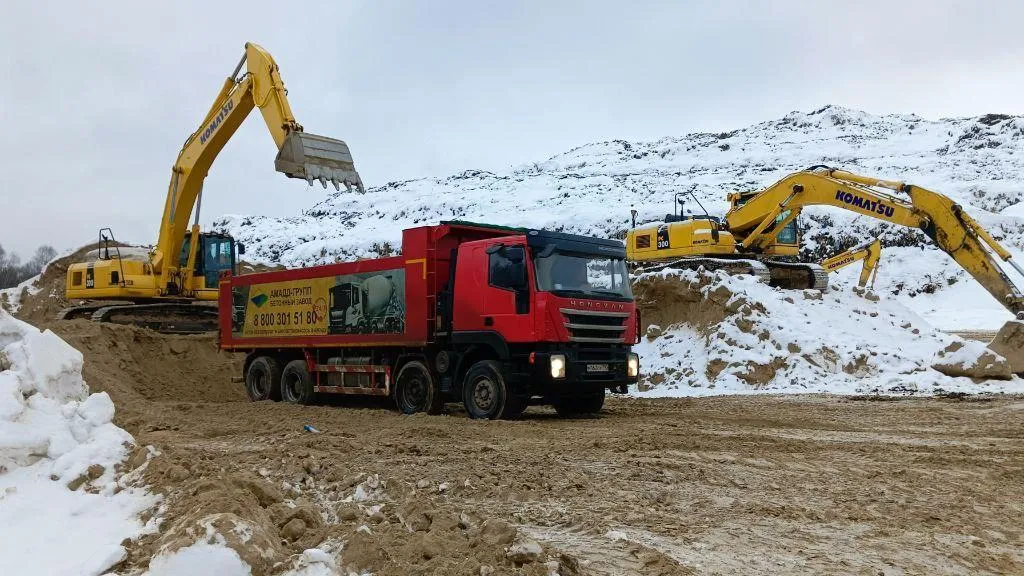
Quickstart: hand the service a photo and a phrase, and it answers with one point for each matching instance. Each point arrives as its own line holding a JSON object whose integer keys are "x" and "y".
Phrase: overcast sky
{"x": 97, "y": 98}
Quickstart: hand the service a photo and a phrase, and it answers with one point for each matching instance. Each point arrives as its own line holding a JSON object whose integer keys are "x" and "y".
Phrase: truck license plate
{"x": 597, "y": 367}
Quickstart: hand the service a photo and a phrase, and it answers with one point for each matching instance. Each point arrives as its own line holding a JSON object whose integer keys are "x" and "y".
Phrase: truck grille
{"x": 595, "y": 325}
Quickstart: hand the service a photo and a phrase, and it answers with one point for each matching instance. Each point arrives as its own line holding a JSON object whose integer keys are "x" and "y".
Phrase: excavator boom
{"x": 938, "y": 216}
{"x": 300, "y": 155}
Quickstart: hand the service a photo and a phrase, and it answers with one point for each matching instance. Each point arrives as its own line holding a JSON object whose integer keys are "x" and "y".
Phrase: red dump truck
{"x": 497, "y": 318}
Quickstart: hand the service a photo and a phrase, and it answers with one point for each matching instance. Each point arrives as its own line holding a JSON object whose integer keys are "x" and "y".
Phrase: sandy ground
{"x": 727, "y": 485}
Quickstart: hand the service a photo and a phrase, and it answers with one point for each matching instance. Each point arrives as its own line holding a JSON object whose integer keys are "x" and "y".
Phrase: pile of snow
{"x": 712, "y": 333}
{"x": 63, "y": 508}
{"x": 206, "y": 558}
{"x": 10, "y": 298}
{"x": 978, "y": 161}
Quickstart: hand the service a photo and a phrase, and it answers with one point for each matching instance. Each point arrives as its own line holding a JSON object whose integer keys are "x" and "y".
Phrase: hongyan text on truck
{"x": 496, "y": 318}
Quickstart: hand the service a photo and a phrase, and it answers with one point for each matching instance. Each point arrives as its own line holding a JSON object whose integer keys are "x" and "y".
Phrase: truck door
{"x": 506, "y": 298}
{"x": 492, "y": 292}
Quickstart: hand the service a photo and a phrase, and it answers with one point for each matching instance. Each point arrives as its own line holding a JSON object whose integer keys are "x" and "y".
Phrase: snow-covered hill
{"x": 978, "y": 161}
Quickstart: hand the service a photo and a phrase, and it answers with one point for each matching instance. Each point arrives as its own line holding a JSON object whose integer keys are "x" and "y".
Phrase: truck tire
{"x": 590, "y": 403}
{"x": 486, "y": 394}
{"x": 262, "y": 379}
{"x": 416, "y": 389}
{"x": 296, "y": 383}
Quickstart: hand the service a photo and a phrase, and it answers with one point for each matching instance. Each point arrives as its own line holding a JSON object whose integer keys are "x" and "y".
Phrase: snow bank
{"x": 62, "y": 507}
{"x": 200, "y": 559}
{"x": 720, "y": 334}
{"x": 206, "y": 559}
{"x": 10, "y": 298}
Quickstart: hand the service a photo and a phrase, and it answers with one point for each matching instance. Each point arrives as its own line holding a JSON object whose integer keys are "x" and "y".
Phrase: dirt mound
{"x": 1009, "y": 343}
{"x": 714, "y": 332}
{"x": 134, "y": 364}
{"x": 369, "y": 522}
{"x": 40, "y": 304}
{"x": 246, "y": 474}
{"x": 664, "y": 301}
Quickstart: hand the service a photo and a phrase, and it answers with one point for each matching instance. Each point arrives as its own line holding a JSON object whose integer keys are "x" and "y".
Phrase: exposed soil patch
{"x": 755, "y": 485}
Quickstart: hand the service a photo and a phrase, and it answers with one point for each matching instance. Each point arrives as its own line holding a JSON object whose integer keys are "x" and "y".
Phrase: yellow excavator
{"x": 760, "y": 227}
{"x": 173, "y": 286}
{"x": 870, "y": 252}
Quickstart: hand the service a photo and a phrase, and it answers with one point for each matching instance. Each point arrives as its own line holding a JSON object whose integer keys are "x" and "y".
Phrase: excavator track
{"x": 786, "y": 275}
{"x": 797, "y": 275}
{"x": 735, "y": 266}
{"x": 164, "y": 317}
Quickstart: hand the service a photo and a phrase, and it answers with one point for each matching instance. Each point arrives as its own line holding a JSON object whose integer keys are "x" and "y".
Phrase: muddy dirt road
{"x": 729, "y": 485}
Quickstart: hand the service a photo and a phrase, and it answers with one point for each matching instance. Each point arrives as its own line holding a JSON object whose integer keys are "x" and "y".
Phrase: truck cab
{"x": 558, "y": 310}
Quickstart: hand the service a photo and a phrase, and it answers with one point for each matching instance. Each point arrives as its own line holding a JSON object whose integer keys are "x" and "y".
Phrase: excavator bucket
{"x": 312, "y": 157}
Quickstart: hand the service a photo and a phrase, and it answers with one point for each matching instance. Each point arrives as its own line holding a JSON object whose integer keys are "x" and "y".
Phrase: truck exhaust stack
{"x": 313, "y": 157}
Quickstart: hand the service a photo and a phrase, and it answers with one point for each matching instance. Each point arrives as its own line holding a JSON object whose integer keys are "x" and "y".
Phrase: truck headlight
{"x": 558, "y": 366}
{"x": 633, "y": 365}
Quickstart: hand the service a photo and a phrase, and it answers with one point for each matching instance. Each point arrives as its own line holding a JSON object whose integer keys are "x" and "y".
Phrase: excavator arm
{"x": 300, "y": 155}
{"x": 869, "y": 252}
{"x": 756, "y": 220}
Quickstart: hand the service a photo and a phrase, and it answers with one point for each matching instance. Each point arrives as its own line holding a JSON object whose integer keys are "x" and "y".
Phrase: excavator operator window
{"x": 787, "y": 235}
{"x": 218, "y": 256}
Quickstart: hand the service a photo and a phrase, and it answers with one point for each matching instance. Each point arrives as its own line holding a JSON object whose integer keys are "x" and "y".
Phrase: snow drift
{"x": 63, "y": 509}
{"x": 711, "y": 333}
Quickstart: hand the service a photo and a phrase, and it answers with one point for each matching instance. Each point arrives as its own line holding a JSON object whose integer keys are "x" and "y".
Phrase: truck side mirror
{"x": 241, "y": 248}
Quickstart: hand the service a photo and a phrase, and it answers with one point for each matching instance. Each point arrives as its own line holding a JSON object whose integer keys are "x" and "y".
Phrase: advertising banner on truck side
{"x": 363, "y": 303}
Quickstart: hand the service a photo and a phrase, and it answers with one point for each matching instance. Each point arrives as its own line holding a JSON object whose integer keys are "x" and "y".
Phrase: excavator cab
{"x": 786, "y": 240}
{"x": 215, "y": 254}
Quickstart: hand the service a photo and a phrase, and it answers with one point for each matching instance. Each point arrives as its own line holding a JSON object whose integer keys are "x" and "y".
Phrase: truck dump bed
{"x": 379, "y": 302}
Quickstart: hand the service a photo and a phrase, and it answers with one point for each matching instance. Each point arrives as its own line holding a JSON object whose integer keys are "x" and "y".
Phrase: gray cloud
{"x": 97, "y": 99}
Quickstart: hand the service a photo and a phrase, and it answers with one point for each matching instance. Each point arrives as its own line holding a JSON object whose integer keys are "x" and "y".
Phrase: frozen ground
{"x": 64, "y": 506}
{"x": 978, "y": 161}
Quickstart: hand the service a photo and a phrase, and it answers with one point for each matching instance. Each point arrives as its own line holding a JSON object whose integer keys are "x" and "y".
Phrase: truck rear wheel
{"x": 416, "y": 390}
{"x": 296, "y": 383}
{"x": 262, "y": 379}
{"x": 486, "y": 394}
{"x": 590, "y": 403}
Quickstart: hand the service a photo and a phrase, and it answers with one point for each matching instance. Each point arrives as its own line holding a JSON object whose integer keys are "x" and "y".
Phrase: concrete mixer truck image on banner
{"x": 370, "y": 303}
{"x": 359, "y": 303}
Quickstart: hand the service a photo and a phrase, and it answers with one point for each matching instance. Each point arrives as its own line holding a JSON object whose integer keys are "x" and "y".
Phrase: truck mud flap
{"x": 313, "y": 157}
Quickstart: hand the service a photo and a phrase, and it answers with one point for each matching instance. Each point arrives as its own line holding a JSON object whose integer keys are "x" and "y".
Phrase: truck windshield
{"x": 585, "y": 275}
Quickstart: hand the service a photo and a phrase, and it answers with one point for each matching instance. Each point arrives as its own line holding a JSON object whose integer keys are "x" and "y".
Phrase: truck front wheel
{"x": 416, "y": 390}
{"x": 486, "y": 394}
{"x": 296, "y": 384}
{"x": 262, "y": 379}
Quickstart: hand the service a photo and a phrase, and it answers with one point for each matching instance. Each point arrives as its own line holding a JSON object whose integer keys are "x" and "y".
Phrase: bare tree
{"x": 13, "y": 272}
